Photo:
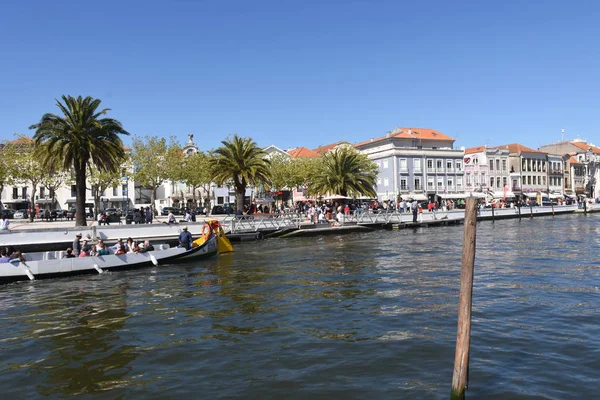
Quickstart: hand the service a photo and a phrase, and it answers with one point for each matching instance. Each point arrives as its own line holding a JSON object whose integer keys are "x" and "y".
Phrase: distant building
{"x": 487, "y": 172}
{"x": 417, "y": 163}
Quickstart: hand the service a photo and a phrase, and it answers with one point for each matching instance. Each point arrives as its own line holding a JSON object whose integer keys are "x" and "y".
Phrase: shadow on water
{"x": 353, "y": 316}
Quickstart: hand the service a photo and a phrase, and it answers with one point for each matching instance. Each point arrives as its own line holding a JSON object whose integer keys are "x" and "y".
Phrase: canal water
{"x": 354, "y": 316}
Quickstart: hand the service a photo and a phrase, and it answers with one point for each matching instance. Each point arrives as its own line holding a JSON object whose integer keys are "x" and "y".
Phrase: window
{"x": 504, "y": 182}
{"x": 15, "y": 193}
{"x": 73, "y": 191}
{"x": 459, "y": 166}
{"x": 386, "y": 182}
{"x": 418, "y": 184}
{"x": 378, "y": 181}
{"x": 429, "y": 165}
{"x": 417, "y": 164}
{"x": 483, "y": 179}
{"x": 439, "y": 165}
{"x": 429, "y": 183}
{"x": 449, "y": 165}
{"x": 497, "y": 165}
{"x": 492, "y": 181}
{"x": 459, "y": 182}
{"x": 403, "y": 185}
{"x": 503, "y": 165}
{"x": 468, "y": 179}
{"x": 476, "y": 179}
{"x": 385, "y": 163}
{"x": 450, "y": 184}
{"x": 498, "y": 182}
{"x": 42, "y": 192}
{"x": 529, "y": 179}
{"x": 440, "y": 183}
{"x": 403, "y": 166}
{"x": 124, "y": 190}
{"x": 115, "y": 191}
{"x": 491, "y": 165}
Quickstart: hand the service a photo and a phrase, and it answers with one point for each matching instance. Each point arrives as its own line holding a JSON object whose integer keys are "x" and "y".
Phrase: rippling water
{"x": 352, "y": 316}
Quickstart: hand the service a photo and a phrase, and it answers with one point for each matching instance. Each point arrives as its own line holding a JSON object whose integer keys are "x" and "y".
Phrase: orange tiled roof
{"x": 477, "y": 149}
{"x": 415, "y": 133}
{"x": 324, "y": 149}
{"x": 518, "y": 148}
{"x": 585, "y": 147}
{"x": 303, "y": 152}
{"x": 24, "y": 140}
{"x": 573, "y": 160}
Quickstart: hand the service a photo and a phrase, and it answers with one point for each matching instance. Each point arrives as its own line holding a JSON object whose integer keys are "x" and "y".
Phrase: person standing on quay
{"x": 415, "y": 210}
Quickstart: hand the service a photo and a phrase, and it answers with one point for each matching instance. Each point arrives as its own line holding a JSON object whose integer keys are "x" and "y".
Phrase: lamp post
{"x": 124, "y": 181}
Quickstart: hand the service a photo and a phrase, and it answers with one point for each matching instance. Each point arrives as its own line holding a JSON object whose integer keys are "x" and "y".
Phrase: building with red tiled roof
{"x": 415, "y": 163}
{"x": 528, "y": 170}
{"x": 486, "y": 171}
{"x": 303, "y": 152}
{"x": 327, "y": 148}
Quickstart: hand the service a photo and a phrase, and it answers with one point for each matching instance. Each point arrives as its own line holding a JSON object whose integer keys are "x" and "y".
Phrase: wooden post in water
{"x": 530, "y": 210}
{"x": 552, "y": 209}
{"x": 584, "y": 206}
{"x": 460, "y": 376}
{"x": 493, "y": 212}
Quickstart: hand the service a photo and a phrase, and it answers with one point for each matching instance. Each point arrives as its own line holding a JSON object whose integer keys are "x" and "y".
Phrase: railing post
{"x": 460, "y": 376}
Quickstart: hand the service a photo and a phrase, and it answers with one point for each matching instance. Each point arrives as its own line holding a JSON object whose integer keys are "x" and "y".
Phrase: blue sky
{"x": 309, "y": 73}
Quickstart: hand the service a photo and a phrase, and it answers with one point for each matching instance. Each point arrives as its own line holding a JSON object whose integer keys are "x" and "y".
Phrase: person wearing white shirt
{"x": 4, "y": 223}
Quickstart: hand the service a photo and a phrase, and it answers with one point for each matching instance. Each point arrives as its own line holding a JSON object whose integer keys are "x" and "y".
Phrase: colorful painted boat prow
{"x": 213, "y": 226}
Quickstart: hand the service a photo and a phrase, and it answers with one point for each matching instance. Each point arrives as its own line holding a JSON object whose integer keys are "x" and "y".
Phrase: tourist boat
{"x": 51, "y": 264}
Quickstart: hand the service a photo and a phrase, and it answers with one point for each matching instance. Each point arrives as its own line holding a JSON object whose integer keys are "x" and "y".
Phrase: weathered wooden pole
{"x": 493, "y": 219}
{"x": 584, "y": 206}
{"x": 530, "y": 210}
{"x": 552, "y": 209}
{"x": 460, "y": 376}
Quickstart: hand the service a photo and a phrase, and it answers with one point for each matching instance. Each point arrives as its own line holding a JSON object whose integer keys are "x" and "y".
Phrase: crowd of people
{"x": 84, "y": 248}
{"x": 8, "y": 254}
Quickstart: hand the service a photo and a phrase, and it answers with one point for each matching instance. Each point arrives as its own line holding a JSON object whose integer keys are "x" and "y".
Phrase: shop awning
{"x": 264, "y": 200}
{"x": 453, "y": 195}
{"x": 43, "y": 201}
{"x": 15, "y": 201}
{"x": 416, "y": 196}
{"x": 531, "y": 195}
{"x": 555, "y": 196}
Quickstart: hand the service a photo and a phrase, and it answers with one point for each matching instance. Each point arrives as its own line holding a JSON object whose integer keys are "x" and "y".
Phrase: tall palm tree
{"x": 345, "y": 172}
{"x": 77, "y": 138}
{"x": 242, "y": 162}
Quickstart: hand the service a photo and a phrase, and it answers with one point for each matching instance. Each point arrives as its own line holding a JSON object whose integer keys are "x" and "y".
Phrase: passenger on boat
{"x": 69, "y": 253}
{"x": 117, "y": 245}
{"x": 77, "y": 244}
{"x": 4, "y": 258}
{"x": 130, "y": 245}
{"x": 121, "y": 248}
{"x": 101, "y": 249}
{"x": 146, "y": 247}
{"x": 10, "y": 252}
{"x": 185, "y": 239}
{"x": 85, "y": 249}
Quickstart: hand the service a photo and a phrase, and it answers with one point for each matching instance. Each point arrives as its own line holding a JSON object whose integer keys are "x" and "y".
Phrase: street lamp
{"x": 124, "y": 181}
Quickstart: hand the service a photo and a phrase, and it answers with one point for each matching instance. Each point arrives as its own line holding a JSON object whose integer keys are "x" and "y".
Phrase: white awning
{"x": 479, "y": 195}
{"x": 531, "y": 195}
{"x": 555, "y": 196}
{"x": 453, "y": 195}
{"x": 264, "y": 200}
{"x": 416, "y": 196}
{"x": 12, "y": 201}
{"x": 43, "y": 201}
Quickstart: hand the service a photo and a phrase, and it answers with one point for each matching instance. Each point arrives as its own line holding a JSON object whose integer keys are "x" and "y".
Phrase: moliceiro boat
{"x": 51, "y": 264}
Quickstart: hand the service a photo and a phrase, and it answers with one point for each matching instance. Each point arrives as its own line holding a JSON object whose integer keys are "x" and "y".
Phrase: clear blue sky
{"x": 309, "y": 73}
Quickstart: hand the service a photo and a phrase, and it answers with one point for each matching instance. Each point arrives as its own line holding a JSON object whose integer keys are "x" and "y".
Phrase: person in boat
{"x": 146, "y": 247}
{"x": 101, "y": 249}
{"x": 4, "y": 258}
{"x": 185, "y": 238}
{"x": 121, "y": 248}
{"x": 10, "y": 252}
{"x": 130, "y": 245}
{"x": 69, "y": 253}
{"x": 77, "y": 244}
{"x": 117, "y": 245}
{"x": 85, "y": 249}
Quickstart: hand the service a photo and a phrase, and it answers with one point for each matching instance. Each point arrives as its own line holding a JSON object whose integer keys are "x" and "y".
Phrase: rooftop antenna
{"x": 563, "y": 134}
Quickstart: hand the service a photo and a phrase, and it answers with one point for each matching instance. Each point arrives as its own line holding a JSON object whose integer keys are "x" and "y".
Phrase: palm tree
{"x": 242, "y": 162}
{"x": 345, "y": 172}
{"x": 78, "y": 138}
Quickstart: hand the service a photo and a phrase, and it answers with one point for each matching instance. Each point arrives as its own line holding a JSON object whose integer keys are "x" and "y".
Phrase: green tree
{"x": 346, "y": 172}
{"x": 52, "y": 180}
{"x": 100, "y": 181}
{"x": 155, "y": 161}
{"x": 196, "y": 173}
{"x": 77, "y": 138}
{"x": 27, "y": 168}
{"x": 242, "y": 162}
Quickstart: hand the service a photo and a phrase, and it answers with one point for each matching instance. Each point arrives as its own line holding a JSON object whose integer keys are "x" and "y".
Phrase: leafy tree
{"x": 242, "y": 162}
{"x": 196, "y": 173}
{"x": 344, "y": 171}
{"x": 6, "y": 167}
{"x": 52, "y": 180}
{"x": 155, "y": 162}
{"x": 100, "y": 181}
{"x": 80, "y": 137}
{"x": 27, "y": 168}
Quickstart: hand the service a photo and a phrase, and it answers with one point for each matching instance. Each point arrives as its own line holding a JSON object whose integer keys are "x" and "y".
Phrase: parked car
{"x": 217, "y": 210}
{"x": 175, "y": 210}
{"x": 112, "y": 211}
{"x": 60, "y": 213}
{"x": 73, "y": 211}
{"x": 20, "y": 214}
